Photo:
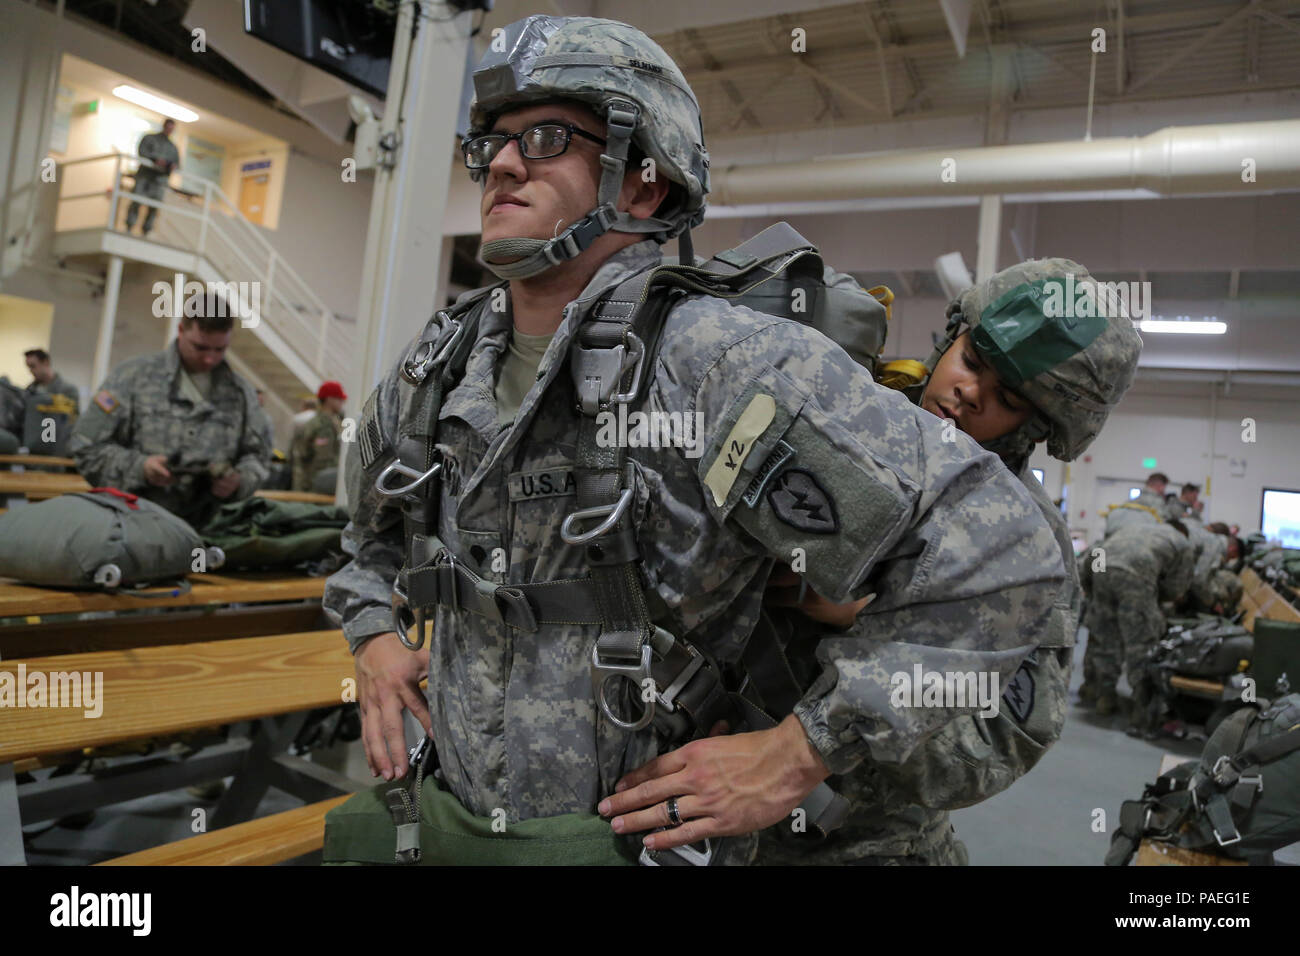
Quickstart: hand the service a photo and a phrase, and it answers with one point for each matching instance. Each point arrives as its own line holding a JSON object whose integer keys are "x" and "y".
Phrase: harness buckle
{"x": 602, "y": 673}
{"x": 418, "y": 479}
{"x": 688, "y": 854}
{"x": 612, "y": 514}
{"x": 405, "y": 617}
{"x": 431, "y": 352}
{"x": 598, "y": 372}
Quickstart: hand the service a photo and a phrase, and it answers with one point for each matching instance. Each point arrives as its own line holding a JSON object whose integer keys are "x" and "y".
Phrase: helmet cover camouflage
{"x": 1059, "y": 340}
{"x": 602, "y": 63}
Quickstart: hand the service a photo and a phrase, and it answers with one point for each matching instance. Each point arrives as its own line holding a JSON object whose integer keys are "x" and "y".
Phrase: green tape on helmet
{"x": 1020, "y": 339}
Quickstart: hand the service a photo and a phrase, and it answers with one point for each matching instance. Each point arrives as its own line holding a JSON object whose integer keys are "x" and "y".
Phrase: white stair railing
{"x": 215, "y": 230}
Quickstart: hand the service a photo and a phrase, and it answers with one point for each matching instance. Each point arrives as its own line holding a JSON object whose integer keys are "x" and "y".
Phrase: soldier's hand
{"x": 388, "y": 682}
{"x": 155, "y": 471}
{"x": 724, "y": 786}
{"x": 226, "y": 485}
{"x": 785, "y": 589}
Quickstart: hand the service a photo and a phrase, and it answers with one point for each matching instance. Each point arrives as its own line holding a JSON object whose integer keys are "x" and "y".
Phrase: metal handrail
{"x": 296, "y": 308}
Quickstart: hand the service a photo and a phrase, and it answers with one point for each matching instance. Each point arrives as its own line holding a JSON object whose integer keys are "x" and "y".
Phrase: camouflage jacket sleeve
{"x": 865, "y": 494}
{"x": 973, "y": 757}
{"x": 253, "y": 457}
{"x": 358, "y": 595}
{"x": 101, "y": 443}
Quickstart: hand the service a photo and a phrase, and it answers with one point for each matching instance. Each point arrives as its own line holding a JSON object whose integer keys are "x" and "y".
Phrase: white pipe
{"x": 1177, "y": 160}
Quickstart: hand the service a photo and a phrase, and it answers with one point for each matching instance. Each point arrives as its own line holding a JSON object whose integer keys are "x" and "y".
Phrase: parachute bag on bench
{"x": 264, "y": 533}
{"x": 103, "y": 538}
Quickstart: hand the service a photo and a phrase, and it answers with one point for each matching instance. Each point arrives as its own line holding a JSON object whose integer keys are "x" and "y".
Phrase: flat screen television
{"x": 349, "y": 38}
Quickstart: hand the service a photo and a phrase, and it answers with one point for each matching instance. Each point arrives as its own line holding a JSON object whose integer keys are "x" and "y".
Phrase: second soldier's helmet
{"x": 631, "y": 84}
{"x": 1058, "y": 339}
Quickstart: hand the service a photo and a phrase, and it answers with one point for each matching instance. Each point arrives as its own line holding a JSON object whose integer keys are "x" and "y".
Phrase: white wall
{"x": 1176, "y": 428}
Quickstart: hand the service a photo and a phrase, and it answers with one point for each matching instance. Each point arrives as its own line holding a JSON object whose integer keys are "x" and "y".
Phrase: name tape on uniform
{"x": 753, "y": 421}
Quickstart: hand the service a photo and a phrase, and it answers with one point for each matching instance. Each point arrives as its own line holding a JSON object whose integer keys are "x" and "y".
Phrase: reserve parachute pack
{"x": 103, "y": 538}
{"x": 1241, "y": 800}
{"x": 261, "y": 533}
{"x": 777, "y": 272}
{"x": 1203, "y": 646}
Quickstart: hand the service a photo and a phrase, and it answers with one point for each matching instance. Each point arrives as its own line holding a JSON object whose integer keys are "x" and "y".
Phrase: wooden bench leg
{"x": 11, "y": 823}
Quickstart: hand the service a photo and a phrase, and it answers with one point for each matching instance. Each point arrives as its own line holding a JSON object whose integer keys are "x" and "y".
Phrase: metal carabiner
{"x": 419, "y": 478}
{"x": 602, "y": 674}
{"x": 612, "y": 514}
{"x": 404, "y": 618}
{"x": 688, "y": 853}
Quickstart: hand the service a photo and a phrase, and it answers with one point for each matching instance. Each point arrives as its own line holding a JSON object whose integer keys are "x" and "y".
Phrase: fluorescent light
{"x": 1185, "y": 324}
{"x": 155, "y": 103}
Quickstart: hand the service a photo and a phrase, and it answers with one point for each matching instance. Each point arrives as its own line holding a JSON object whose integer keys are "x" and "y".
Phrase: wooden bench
{"x": 1153, "y": 853}
{"x": 311, "y": 497}
{"x": 148, "y": 692}
{"x": 1260, "y": 599}
{"x": 262, "y": 842}
{"x": 39, "y": 485}
{"x": 42, "y": 485}
{"x": 34, "y": 461}
{"x": 208, "y": 588}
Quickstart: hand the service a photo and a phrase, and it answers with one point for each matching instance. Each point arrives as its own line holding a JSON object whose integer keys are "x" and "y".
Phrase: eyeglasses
{"x": 542, "y": 141}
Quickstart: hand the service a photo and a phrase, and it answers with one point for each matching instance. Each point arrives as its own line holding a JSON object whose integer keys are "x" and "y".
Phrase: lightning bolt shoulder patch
{"x": 798, "y": 500}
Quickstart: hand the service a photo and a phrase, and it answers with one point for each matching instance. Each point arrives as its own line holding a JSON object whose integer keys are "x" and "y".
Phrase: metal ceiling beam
{"x": 1209, "y": 35}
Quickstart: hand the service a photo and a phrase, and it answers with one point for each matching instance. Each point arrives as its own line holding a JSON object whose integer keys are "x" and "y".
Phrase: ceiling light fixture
{"x": 156, "y": 103}
{"x": 1185, "y": 324}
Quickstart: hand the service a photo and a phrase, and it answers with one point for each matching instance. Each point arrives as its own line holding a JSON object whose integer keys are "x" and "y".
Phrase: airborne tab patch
{"x": 106, "y": 401}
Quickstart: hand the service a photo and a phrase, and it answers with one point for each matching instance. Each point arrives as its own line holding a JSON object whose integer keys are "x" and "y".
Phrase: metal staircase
{"x": 287, "y": 342}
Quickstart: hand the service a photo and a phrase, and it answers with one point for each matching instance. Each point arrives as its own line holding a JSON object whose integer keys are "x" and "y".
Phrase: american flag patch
{"x": 106, "y": 401}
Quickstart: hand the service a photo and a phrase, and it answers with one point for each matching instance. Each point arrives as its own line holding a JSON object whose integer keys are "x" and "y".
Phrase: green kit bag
{"x": 102, "y": 538}
{"x": 415, "y": 821}
{"x": 262, "y": 533}
{"x": 1242, "y": 800}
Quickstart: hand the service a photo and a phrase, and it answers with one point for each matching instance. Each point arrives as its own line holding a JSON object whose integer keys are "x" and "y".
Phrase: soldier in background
{"x": 158, "y": 160}
{"x": 178, "y": 427}
{"x": 315, "y": 451}
{"x": 1148, "y": 507}
{"x": 1144, "y": 565}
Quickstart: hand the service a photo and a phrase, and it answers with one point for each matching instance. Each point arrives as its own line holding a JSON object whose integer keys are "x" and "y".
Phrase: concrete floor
{"x": 1044, "y": 818}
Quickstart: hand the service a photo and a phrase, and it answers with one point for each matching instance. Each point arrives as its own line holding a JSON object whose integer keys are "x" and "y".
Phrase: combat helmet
{"x": 1058, "y": 340}
{"x": 635, "y": 87}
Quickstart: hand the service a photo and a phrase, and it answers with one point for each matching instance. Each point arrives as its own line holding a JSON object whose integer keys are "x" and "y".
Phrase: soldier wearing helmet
{"x": 472, "y": 506}
{"x": 1011, "y": 371}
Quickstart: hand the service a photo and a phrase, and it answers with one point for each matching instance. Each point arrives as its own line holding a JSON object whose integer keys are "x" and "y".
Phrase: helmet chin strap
{"x": 523, "y": 258}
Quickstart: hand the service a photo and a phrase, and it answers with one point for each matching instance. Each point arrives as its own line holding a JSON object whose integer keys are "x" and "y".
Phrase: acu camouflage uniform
{"x": 315, "y": 449}
{"x": 150, "y": 180}
{"x": 899, "y": 813}
{"x": 141, "y": 410}
{"x": 1145, "y": 564}
{"x": 1147, "y": 508}
{"x": 963, "y": 567}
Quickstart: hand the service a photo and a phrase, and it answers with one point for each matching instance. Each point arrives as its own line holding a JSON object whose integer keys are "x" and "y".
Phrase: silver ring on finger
{"x": 674, "y": 817}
